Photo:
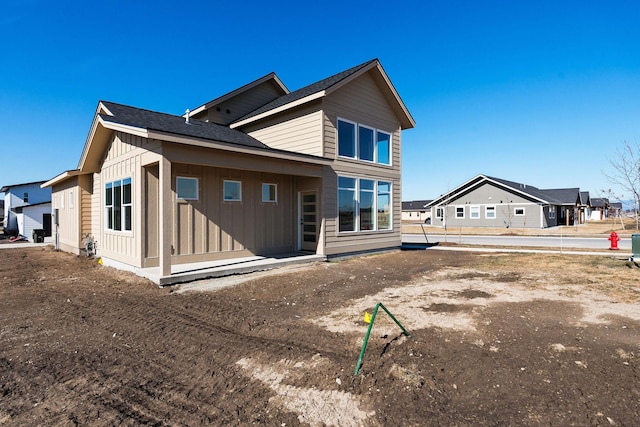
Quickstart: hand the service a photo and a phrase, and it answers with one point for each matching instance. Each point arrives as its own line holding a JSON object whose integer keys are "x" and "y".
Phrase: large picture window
{"x": 384, "y": 205}
{"x": 346, "y": 204}
{"x": 117, "y": 202}
{"x": 363, "y": 205}
{"x": 360, "y": 142}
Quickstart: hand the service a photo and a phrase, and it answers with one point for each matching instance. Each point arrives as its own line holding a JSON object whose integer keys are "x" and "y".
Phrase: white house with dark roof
{"x": 486, "y": 201}
{"x": 27, "y": 207}
{"x": 416, "y": 211}
{"x": 258, "y": 171}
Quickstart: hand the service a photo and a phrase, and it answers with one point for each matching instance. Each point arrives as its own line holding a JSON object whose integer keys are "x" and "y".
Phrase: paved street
{"x": 555, "y": 242}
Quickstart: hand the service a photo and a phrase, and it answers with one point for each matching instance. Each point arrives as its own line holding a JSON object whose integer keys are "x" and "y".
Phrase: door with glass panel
{"x": 308, "y": 221}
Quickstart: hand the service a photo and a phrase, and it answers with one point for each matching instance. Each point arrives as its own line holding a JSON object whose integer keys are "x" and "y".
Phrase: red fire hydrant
{"x": 614, "y": 241}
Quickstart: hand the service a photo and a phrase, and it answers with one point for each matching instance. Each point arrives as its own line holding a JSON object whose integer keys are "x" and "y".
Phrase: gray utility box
{"x": 38, "y": 236}
{"x": 635, "y": 245}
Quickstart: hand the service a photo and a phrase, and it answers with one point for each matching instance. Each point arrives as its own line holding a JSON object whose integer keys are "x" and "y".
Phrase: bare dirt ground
{"x": 500, "y": 339}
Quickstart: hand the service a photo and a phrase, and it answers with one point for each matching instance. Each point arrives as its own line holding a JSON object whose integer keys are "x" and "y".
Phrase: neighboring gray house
{"x": 27, "y": 207}
{"x": 416, "y": 210}
{"x": 486, "y": 201}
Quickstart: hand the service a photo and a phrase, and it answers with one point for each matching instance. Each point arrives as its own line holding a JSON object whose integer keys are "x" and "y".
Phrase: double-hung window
{"x": 117, "y": 202}
{"x": 460, "y": 212}
{"x": 360, "y": 142}
{"x": 474, "y": 212}
{"x": 490, "y": 212}
{"x": 363, "y": 204}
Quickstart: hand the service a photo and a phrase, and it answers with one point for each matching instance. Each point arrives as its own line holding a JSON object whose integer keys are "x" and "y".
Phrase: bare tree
{"x": 626, "y": 172}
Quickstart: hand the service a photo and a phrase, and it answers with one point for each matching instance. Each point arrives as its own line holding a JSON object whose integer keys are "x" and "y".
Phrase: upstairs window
{"x": 360, "y": 142}
{"x": 346, "y": 139}
{"x": 25, "y": 197}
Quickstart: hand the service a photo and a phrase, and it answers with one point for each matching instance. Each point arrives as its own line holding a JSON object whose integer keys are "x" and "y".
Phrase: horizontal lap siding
{"x": 360, "y": 101}
{"x": 505, "y": 203}
{"x": 299, "y": 131}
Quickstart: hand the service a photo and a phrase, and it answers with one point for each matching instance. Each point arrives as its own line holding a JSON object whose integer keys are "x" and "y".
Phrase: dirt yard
{"x": 500, "y": 339}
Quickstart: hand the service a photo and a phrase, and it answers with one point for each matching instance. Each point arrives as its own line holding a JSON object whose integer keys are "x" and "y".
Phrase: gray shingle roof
{"x": 152, "y": 120}
{"x": 308, "y": 90}
{"x": 415, "y": 205}
{"x": 557, "y": 196}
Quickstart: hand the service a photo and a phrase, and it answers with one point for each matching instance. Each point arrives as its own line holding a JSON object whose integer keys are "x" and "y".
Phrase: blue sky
{"x": 535, "y": 92}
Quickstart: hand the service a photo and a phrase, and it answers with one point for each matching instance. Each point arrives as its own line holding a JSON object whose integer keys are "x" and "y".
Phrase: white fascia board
{"x": 62, "y": 177}
{"x": 133, "y": 130}
{"x": 280, "y": 109}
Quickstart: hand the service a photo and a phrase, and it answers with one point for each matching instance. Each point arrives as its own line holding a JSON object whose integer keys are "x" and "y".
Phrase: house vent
{"x": 186, "y": 116}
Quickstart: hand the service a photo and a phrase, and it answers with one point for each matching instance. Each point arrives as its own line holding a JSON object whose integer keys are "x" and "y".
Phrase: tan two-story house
{"x": 258, "y": 171}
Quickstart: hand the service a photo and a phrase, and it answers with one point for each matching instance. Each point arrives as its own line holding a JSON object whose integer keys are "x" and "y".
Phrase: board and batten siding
{"x": 122, "y": 160}
{"x": 299, "y": 131}
{"x": 212, "y": 228}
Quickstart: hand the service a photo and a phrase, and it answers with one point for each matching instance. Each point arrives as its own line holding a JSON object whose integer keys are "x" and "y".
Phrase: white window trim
{"x": 471, "y": 209}
{"x": 356, "y": 150}
{"x": 375, "y": 228}
{"x": 552, "y": 213}
{"x": 487, "y": 210}
{"x": 390, "y": 147}
{"x": 262, "y": 192}
{"x": 456, "y": 211}
{"x": 515, "y": 212}
{"x": 123, "y": 204}
{"x": 355, "y": 139}
{"x": 224, "y": 199}
{"x": 190, "y": 178}
{"x": 440, "y": 211}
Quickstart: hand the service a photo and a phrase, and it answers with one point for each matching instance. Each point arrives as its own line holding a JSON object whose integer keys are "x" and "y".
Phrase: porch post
{"x": 165, "y": 220}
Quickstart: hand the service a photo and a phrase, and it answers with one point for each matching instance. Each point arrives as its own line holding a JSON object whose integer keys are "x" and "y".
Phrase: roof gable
{"x": 111, "y": 116}
{"x": 561, "y": 196}
{"x": 239, "y": 102}
{"x": 324, "y": 87}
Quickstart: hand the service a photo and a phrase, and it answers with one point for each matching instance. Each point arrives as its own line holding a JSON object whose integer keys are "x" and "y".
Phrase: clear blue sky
{"x": 535, "y": 92}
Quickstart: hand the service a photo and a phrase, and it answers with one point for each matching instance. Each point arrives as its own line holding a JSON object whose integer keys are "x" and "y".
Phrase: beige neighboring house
{"x": 258, "y": 171}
